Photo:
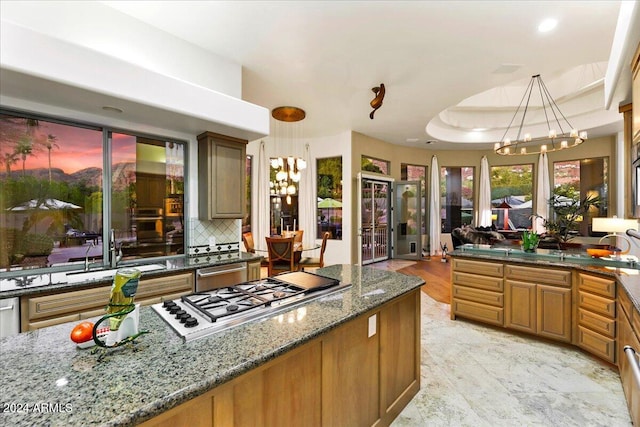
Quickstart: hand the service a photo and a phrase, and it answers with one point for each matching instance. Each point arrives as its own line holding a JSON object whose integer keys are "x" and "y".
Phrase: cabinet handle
{"x": 7, "y": 308}
{"x": 217, "y": 273}
{"x": 633, "y": 361}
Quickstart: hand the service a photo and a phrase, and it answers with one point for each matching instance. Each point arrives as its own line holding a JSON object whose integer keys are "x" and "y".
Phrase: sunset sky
{"x": 77, "y": 148}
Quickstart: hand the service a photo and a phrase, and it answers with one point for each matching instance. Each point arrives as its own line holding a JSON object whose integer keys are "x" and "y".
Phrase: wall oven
{"x": 149, "y": 225}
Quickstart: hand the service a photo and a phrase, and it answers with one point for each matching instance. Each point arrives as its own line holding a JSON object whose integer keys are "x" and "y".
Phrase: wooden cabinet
{"x": 150, "y": 190}
{"x": 221, "y": 176}
{"x": 635, "y": 93}
{"x": 40, "y": 311}
{"x": 253, "y": 270}
{"x": 477, "y": 291}
{"x": 538, "y": 301}
{"x": 350, "y": 362}
{"x": 363, "y": 372}
{"x": 628, "y": 334}
{"x": 596, "y": 331}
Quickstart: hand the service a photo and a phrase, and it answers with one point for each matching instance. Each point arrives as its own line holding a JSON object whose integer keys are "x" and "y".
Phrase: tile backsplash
{"x": 223, "y": 230}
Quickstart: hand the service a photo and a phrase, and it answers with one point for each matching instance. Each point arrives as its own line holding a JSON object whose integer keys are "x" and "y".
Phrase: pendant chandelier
{"x": 559, "y": 137}
{"x": 287, "y": 170}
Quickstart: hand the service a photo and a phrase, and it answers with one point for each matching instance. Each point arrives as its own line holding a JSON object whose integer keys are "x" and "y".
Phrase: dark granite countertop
{"x": 39, "y": 283}
{"x": 629, "y": 278}
{"x": 43, "y": 369}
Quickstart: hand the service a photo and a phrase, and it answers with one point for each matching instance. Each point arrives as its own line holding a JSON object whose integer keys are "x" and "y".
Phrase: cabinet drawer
{"x": 597, "y": 344}
{"x": 478, "y": 267}
{"x": 68, "y": 302}
{"x": 478, "y": 295}
{"x": 595, "y": 322}
{"x": 476, "y": 311}
{"x": 52, "y": 322}
{"x": 597, "y": 285}
{"x": 489, "y": 283}
{"x": 164, "y": 286}
{"x": 597, "y": 304}
{"x": 538, "y": 275}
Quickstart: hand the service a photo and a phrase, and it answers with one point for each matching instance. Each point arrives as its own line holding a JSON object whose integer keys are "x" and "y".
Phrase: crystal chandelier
{"x": 287, "y": 170}
{"x": 559, "y": 137}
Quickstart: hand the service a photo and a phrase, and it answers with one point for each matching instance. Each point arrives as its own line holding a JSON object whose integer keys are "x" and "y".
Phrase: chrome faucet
{"x": 86, "y": 256}
{"x": 114, "y": 255}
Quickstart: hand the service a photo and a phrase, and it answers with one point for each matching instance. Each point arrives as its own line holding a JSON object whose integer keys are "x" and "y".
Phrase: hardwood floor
{"x": 436, "y": 274}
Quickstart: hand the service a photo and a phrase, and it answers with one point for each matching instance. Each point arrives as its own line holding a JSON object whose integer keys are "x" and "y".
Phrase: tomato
{"x": 82, "y": 332}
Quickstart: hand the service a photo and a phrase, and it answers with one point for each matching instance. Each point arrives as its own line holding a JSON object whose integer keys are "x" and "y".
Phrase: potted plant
{"x": 568, "y": 211}
{"x": 530, "y": 241}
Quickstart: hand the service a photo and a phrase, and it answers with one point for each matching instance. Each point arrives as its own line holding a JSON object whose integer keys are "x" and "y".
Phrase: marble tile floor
{"x": 474, "y": 375}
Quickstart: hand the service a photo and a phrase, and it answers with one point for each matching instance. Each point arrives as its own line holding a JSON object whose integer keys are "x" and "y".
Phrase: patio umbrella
{"x": 484, "y": 204}
{"x": 43, "y": 205}
{"x": 329, "y": 204}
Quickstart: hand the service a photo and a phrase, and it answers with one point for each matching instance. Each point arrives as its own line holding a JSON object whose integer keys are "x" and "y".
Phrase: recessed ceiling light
{"x": 112, "y": 109}
{"x": 547, "y": 25}
{"x": 479, "y": 129}
{"x": 413, "y": 140}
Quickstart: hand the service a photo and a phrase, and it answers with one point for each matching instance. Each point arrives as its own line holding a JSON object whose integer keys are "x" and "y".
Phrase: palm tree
{"x": 51, "y": 143}
{"x": 9, "y": 160}
{"x": 24, "y": 148}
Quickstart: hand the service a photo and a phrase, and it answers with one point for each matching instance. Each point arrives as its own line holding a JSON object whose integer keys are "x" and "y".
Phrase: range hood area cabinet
{"x": 221, "y": 176}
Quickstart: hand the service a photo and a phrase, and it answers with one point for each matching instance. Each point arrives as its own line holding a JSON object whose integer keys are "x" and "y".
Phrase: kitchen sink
{"x": 86, "y": 276}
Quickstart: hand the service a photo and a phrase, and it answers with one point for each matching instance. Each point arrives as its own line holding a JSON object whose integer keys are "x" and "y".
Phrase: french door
{"x": 407, "y": 220}
{"x": 374, "y": 217}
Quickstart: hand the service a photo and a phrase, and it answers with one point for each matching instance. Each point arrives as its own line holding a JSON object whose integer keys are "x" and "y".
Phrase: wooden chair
{"x": 315, "y": 262}
{"x": 247, "y": 239}
{"x": 297, "y": 236}
{"x": 281, "y": 257}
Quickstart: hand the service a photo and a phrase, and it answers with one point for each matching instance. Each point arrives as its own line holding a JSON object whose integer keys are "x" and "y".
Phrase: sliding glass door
{"x": 374, "y": 235}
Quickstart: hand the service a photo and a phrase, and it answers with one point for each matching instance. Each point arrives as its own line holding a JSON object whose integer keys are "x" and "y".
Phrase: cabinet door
{"x": 253, "y": 270}
{"x": 554, "y": 312}
{"x": 350, "y": 392}
{"x": 399, "y": 355}
{"x": 521, "y": 306}
{"x": 222, "y": 176}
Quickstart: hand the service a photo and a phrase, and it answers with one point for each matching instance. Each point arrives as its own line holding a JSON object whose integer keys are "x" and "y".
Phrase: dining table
{"x": 298, "y": 249}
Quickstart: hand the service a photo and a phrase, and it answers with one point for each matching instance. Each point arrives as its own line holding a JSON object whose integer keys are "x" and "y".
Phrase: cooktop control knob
{"x": 169, "y": 303}
{"x": 191, "y": 322}
{"x": 182, "y": 317}
{"x": 179, "y": 313}
{"x": 174, "y": 309}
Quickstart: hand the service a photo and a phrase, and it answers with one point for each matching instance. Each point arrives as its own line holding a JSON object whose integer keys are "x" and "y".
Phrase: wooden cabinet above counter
{"x": 221, "y": 176}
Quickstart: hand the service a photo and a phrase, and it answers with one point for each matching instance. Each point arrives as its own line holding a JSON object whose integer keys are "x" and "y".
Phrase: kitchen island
{"x": 567, "y": 297}
{"x": 357, "y": 351}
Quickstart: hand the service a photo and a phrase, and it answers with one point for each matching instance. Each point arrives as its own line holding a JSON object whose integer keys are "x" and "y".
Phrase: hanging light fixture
{"x": 287, "y": 169}
{"x": 559, "y": 137}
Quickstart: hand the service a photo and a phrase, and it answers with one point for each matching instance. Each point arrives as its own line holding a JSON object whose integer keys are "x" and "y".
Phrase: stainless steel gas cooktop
{"x": 204, "y": 313}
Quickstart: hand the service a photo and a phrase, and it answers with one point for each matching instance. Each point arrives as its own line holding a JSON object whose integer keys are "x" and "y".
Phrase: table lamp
{"x": 613, "y": 226}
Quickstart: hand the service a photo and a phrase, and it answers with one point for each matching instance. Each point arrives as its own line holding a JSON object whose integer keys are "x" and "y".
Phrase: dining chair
{"x": 281, "y": 257}
{"x": 297, "y": 236}
{"x": 315, "y": 262}
{"x": 247, "y": 239}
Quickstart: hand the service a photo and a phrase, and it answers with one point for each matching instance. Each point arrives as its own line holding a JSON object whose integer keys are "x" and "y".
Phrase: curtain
{"x": 543, "y": 193}
{"x": 484, "y": 204}
{"x": 434, "y": 208}
{"x": 306, "y": 201}
{"x": 261, "y": 214}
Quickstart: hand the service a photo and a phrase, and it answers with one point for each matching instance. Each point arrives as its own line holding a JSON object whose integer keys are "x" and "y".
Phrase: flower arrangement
{"x": 530, "y": 241}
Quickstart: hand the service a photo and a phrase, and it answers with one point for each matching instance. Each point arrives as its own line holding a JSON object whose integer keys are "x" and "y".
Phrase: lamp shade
{"x": 614, "y": 225}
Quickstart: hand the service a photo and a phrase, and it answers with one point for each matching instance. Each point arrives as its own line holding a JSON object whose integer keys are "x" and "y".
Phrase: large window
{"x": 512, "y": 196}
{"x": 371, "y": 164}
{"x": 246, "y": 221}
{"x": 579, "y": 179}
{"x": 456, "y": 197}
{"x": 54, "y": 193}
{"x": 329, "y": 187}
{"x": 417, "y": 173}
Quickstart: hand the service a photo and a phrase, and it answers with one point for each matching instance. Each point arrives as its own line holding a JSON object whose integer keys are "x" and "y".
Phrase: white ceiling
{"x": 325, "y": 56}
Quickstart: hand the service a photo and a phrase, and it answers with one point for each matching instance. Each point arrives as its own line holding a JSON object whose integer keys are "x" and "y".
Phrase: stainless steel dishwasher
{"x": 9, "y": 317}
{"x": 220, "y": 276}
